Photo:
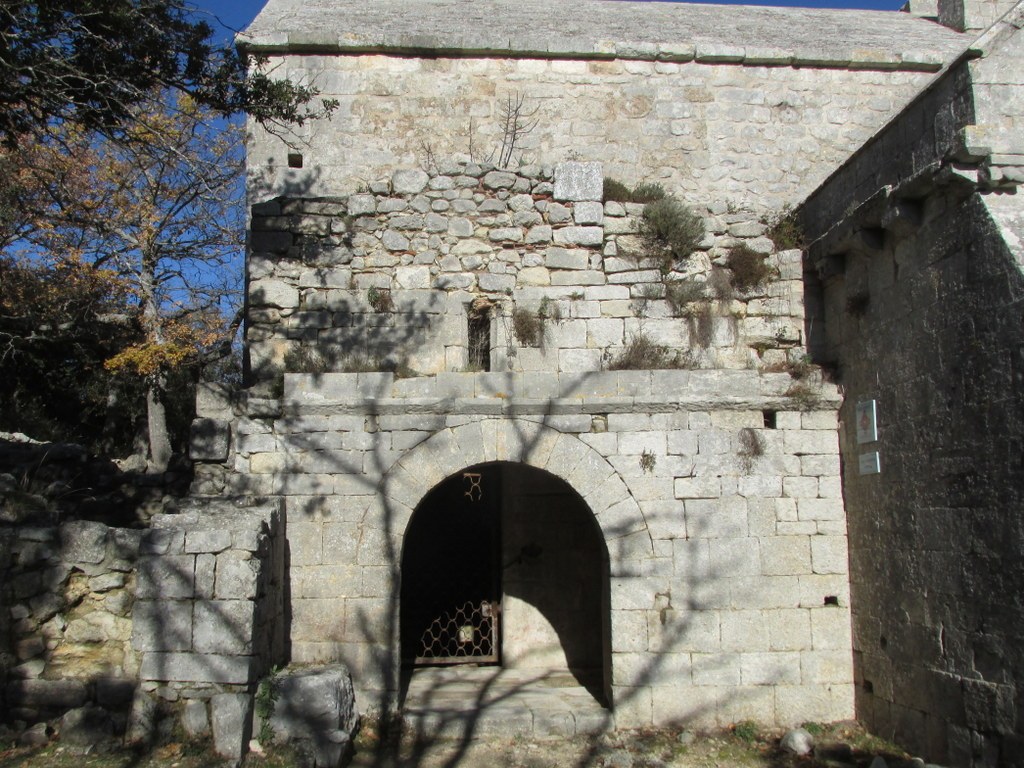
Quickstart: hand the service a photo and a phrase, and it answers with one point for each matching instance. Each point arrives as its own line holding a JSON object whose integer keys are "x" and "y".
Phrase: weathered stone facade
{"x": 691, "y": 539}
{"x": 917, "y": 286}
{"x": 391, "y": 277}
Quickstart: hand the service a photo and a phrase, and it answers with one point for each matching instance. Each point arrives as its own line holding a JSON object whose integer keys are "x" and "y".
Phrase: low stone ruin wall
{"x": 183, "y": 618}
{"x": 66, "y": 597}
{"x": 209, "y": 619}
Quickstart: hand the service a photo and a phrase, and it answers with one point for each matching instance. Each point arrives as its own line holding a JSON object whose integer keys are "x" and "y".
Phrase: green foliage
{"x": 529, "y": 327}
{"x": 380, "y": 299}
{"x": 785, "y": 231}
{"x": 644, "y": 192}
{"x": 265, "y": 703}
{"x": 682, "y": 294}
{"x": 747, "y": 731}
{"x": 642, "y": 354}
{"x": 648, "y": 192}
{"x": 616, "y": 191}
{"x": 749, "y": 268}
{"x": 87, "y": 63}
{"x": 670, "y": 232}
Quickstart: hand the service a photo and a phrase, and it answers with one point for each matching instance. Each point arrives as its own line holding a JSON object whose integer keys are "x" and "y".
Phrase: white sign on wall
{"x": 870, "y": 464}
{"x": 867, "y": 421}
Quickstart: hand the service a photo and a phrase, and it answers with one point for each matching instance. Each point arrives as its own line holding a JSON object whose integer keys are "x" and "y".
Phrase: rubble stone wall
{"x": 392, "y": 274}
{"x": 66, "y": 594}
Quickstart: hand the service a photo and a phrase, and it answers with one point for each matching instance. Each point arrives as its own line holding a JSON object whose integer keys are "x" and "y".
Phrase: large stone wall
{"x": 390, "y": 276}
{"x": 727, "y": 574}
{"x": 920, "y": 288}
{"x": 754, "y": 136}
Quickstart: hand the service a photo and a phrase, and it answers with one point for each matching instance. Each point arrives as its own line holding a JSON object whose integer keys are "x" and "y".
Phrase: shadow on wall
{"x": 376, "y": 628}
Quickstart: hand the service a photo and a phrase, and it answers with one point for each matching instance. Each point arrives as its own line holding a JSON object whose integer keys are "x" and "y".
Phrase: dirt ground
{"x": 843, "y": 745}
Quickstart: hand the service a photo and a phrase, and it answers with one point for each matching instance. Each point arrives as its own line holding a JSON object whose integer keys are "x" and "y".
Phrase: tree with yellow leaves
{"x": 157, "y": 215}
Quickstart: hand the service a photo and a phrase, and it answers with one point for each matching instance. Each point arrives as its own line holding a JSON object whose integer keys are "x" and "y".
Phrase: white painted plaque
{"x": 867, "y": 422}
{"x": 870, "y": 463}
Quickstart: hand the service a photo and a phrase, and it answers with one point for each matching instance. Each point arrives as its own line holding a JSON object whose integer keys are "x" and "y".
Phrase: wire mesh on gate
{"x": 469, "y": 631}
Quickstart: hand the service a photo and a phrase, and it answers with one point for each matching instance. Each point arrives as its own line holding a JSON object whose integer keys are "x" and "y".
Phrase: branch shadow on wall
{"x": 459, "y": 726}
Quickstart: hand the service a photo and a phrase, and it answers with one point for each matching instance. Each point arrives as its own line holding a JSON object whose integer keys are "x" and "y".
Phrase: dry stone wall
{"x": 67, "y": 594}
{"x": 391, "y": 277}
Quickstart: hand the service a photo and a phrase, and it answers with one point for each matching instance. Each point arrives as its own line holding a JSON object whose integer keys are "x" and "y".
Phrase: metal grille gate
{"x": 468, "y": 632}
{"x": 450, "y": 576}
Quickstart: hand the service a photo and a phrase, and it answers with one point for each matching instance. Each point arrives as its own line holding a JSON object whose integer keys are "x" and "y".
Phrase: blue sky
{"x": 238, "y": 13}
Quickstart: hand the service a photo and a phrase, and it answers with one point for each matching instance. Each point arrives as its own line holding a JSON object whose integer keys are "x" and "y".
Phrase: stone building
{"x": 491, "y": 426}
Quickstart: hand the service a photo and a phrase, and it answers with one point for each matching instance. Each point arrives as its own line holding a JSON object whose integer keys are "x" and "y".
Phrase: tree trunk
{"x": 156, "y": 416}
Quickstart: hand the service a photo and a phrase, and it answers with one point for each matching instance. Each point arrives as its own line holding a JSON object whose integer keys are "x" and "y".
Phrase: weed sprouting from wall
{"x": 379, "y": 299}
{"x": 305, "y": 360}
{"x": 805, "y": 397}
{"x": 749, "y": 268}
{"x": 642, "y": 354}
{"x": 648, "y": 192}
{"x": 751, "y": 448}
{"x": 644, "y": 192}
{"x": 265, "y": 704}
{"x": 517, "y": 122}
{"x": 529, "y": 326}
{"x": 648, "y": 461}
{"x": 785, "y": 231}
{"x": 670, "y": 231}
{"x": 681, "y": 295}
{"x": 616, "y": 191}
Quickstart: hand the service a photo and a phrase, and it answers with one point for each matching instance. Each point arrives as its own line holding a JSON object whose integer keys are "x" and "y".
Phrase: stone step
{"x": 464, "y": 703}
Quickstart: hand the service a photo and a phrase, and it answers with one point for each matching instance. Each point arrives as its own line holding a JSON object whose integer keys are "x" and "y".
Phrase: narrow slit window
{"x": 479, "y": 318}
{"x": 294, "y": 160}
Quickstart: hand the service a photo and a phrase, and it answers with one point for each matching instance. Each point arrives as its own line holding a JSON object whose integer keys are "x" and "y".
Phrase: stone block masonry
{"x": 392, "y": 279}
{"x": 727, "y": 574}
{"x": 209, "y": 616}
{"x": 750, "y": 107}
{"x": 918, "y": 243}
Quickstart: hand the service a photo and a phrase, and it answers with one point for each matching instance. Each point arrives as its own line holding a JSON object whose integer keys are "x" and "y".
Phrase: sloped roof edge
{"x": 632, "y": 29}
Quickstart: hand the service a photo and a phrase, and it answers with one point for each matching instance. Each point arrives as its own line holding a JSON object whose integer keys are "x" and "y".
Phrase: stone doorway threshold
{"x": 480, "y": 702}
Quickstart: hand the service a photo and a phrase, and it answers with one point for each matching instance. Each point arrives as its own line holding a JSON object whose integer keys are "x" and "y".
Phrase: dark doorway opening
{"x": 451, "y": 586}
{"x": 510, "y": 552}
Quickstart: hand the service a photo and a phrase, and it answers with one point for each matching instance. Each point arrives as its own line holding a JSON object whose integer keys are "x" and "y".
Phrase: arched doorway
{"x": 504, "y": 564}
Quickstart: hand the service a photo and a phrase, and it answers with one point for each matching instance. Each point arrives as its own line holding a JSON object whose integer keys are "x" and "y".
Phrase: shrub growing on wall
{"x": 749, "y": 268}
{"x": 670, "y": 231}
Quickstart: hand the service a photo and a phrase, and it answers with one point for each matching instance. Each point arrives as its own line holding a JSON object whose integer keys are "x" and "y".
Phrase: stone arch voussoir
{"x": 527, "y": 442}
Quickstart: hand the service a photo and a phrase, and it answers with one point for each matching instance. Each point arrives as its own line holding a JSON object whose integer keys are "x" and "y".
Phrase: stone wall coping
{"x": 220, "y": 518}
{"x": 513, "y": 393}
{"x": 606, "y": 29}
